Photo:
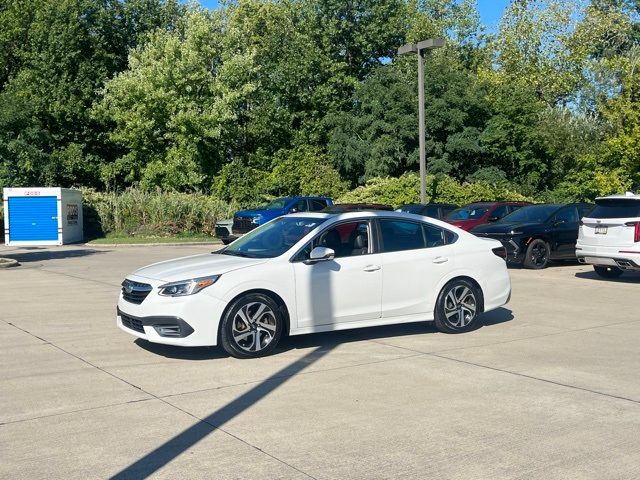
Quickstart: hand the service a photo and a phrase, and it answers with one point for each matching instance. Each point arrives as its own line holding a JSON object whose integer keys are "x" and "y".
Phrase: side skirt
{"x": 426, "y": 317}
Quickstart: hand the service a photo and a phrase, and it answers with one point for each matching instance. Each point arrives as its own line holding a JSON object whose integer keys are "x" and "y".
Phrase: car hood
{"x": 502, "y": 228}
{"x": 254, "y": 213}
{"x": 195, "y": 266}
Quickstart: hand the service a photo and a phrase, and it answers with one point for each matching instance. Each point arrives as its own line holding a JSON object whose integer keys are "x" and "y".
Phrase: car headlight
{"x": 187, "y": 287}
{"x": 256, "y": 219}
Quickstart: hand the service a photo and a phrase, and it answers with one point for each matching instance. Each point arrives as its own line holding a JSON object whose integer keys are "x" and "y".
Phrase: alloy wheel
{"x": 460, "y": 306}
{"x": 254, "y": 327}
{"x": 539, "y": 254}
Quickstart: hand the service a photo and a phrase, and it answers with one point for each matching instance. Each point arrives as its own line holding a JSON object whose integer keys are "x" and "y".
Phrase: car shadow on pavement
{"x": 180, "y": 443}
{"x": 38, "y": 254}
{"x": 324, "y": 339}
{"x": 182, "y": 353}
{"x": 627, "y": 277}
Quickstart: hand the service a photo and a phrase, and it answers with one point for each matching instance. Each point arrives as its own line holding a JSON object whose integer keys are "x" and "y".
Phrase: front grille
{"x": 135, "y": 292}
{"x": 242, "y": 225}
{"x": 131, "y": 322}
{"x": 222, "y": 232}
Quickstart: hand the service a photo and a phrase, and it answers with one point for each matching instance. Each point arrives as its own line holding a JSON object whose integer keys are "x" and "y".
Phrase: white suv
{"x": 609, "y": 238}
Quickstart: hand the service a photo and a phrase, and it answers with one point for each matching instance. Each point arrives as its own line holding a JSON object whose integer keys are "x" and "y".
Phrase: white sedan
{"x": 315, "y": 272}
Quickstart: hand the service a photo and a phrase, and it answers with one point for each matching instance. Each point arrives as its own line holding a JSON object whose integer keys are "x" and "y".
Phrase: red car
{"x": 479, "y": 213}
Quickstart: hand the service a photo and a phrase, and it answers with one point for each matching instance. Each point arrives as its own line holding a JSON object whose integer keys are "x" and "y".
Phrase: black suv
{"x": 536, "y": 234}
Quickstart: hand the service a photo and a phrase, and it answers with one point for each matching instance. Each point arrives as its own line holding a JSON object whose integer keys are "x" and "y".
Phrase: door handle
{"x": 371, "y": 268}
{"x": 440, "y": 260}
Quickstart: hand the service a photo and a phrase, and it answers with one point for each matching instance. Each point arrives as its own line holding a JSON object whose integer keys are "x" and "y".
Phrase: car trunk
{"x": 612, "y": 223}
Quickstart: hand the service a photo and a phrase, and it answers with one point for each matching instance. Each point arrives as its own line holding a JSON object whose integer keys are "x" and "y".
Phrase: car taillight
{"x": 500, "y": 251}
{"x": 636, "y": 230}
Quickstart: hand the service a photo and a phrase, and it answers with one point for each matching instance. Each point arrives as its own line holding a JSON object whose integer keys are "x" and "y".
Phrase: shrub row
{"x": 135, "y": 212}
{"x": 406, "y": 189}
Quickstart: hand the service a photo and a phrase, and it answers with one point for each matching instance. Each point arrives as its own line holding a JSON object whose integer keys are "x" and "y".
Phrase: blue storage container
{"x": 42, "y": 216}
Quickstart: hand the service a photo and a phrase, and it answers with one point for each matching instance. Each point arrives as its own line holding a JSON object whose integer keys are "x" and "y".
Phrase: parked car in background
{"x": 296, "y": 275}
{"x": 246, "y": 220}
{"x": 479, "y": 213}
{"x": 433, "y": 210}
{"x": 223, "y": 231}
{"x": 536, "y": 234}
{"x": 609, "y": 237}
{"x": 356, "y": 207}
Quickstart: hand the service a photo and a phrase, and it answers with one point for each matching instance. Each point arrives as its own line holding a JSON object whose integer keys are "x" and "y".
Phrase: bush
{"x": 304, "y": 171}
{"x": 406, "y": 189}
{"x": 135, "y": 212}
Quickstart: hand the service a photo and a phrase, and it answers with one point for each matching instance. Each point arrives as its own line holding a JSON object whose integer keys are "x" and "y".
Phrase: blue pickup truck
{"x": 246, "y": 220}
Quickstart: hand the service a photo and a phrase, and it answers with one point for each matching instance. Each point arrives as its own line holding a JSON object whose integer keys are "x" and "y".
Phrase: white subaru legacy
{"x": 609, "y": 237}
{"x": 315, "y": 272}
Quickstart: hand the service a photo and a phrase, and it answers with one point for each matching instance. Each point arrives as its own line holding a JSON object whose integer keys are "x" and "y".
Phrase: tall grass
{"x": 136, "y": 212}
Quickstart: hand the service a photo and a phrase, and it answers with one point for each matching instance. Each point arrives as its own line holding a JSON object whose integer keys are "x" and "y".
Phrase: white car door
{"x": 415, "y": 258}
{"x": 345, "y": 289}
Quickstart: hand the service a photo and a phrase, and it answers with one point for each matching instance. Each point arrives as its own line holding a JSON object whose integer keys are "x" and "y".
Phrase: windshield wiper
{"x": 236, "y": 253}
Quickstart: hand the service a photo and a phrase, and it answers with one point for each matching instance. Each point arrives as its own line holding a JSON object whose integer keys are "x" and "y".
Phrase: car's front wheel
{"x": 457, "y": 308}
{"x": 607, "y": 272}
{"x": 252, "y": 326}
{"x": 537, "y": 256}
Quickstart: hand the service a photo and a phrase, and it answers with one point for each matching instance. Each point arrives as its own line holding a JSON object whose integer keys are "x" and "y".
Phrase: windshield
{"x": 272, "y": 239}
{"x": 468, "y": 213}
{"x": 277, "y": 204}
{"x": 532, "y": 214}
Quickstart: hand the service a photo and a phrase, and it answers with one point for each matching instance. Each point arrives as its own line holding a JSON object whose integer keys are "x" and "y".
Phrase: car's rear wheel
{"x": 537, "y": 255}
{"x": 607, "y": 271}
{"x": 458, "y": 306}
{"x": 252, "y": 326}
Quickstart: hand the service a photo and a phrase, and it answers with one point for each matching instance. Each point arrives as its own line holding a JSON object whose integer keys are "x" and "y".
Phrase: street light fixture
{"x": 419, "y": 48}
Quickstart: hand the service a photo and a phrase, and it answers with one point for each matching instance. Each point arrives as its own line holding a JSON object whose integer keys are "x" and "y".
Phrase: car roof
{"x": 623, "y": 196}
{"x": 372, "y": 214}
{"x": 432, "y": 204}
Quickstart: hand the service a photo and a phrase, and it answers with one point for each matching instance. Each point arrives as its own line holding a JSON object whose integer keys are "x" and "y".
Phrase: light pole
{"x": 419, "y": 48}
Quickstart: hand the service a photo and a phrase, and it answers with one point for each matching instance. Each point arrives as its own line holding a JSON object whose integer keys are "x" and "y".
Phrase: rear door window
{"x": 399, "y": 235}
{"x": 615, "y": 209}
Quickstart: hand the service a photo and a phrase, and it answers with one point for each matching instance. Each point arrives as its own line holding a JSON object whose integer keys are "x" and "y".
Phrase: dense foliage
{"x": 271, "y": 97}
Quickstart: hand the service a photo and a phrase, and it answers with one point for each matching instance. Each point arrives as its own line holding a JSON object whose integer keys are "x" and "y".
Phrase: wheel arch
{"x": 271, "y": 294}
{"x": 474, "y": 282}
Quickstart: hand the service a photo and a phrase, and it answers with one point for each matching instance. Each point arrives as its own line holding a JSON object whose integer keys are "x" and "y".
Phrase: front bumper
{"x": 186, "y": 321}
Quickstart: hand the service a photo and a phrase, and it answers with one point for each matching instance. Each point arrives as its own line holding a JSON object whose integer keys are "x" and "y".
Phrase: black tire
{"x": 537, "y": 256}
{"x": 259, "y": 334}
{"x": 607, "y": 271}
{"x": 458, "y": 307}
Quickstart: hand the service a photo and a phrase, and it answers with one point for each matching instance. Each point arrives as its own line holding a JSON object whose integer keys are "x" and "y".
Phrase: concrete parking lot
{"x": 549, "y": 388}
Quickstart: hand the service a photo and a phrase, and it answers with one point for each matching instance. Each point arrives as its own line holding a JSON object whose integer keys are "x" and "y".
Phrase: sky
{"x": 490, "y": 10}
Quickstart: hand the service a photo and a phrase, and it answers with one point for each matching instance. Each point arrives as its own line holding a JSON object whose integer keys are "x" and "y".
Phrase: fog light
{"x": 168, "y": 330}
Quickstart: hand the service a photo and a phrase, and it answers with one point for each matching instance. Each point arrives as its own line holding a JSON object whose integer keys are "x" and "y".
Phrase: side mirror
{"x": 493, "y": 219}
{"x": 320, "y": 254}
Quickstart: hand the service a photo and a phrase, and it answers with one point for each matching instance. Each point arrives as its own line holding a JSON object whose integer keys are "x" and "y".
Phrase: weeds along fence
{"x": 136, "y": 212}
